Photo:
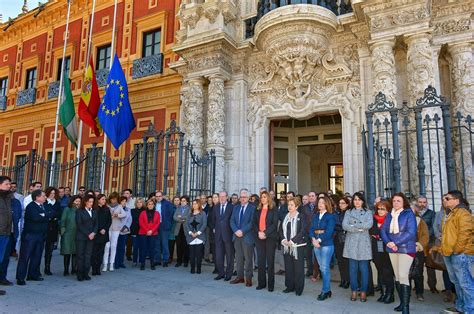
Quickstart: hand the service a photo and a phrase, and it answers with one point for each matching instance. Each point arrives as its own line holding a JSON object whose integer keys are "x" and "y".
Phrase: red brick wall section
{"x": 40, "y": 42}
{"x": 11, "y": 52}
{"x": 140, "y": 10}
{"x": 98, "y": 28}
{"x": 75, "y": 28}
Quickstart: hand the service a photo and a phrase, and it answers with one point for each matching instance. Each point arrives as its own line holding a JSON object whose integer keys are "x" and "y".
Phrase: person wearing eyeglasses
{"x": 457, "y": 247}
{"x": 379, "y": 253}
{"x": 399, "y": 233}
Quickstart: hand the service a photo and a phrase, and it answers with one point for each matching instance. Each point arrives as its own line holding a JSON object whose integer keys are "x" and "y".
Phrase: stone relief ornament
{"x": 452, "y": 26}
{"x": 383, "y": 68}
{"x": 216, "y": 112}
{"x": 398, "y": 18}
{"x": 463, "y": 76}
{"x": 192, "y": 99}
{"x": 419, "y": 66}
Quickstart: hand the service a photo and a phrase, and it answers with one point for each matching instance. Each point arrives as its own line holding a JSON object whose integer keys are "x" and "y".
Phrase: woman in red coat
{"x": 149, "y": 222}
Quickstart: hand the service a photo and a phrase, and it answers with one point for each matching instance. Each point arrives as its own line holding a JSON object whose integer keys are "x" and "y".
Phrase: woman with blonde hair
{"x": 118, "y": 213}
{"x": 265, "y": 225}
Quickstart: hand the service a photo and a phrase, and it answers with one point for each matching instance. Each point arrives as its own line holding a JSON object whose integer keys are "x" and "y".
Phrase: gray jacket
{"x": 357, "y": 223}
{"x": 184, "y": 212}
{"x": 201, "y": 224}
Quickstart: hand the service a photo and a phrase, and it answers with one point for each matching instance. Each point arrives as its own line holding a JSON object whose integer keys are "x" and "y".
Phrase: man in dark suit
{"x": 241, "y": 223}
{"x": 223, "y": 237}
{"x": 32, "y": 239}
{"x": 87, "y": 226}
{"x": 165, "y": 208}
{"x": 308, "y": 211}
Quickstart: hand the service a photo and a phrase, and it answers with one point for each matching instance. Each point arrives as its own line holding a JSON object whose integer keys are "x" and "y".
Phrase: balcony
{"x": 148, "y": 66}
{"x": 3, "y": 103}
{"x": 53, "y": 90}
{"x": 101, "y": 76}
{"x": 265, "y": 6}
{"x": 26, "y": 96}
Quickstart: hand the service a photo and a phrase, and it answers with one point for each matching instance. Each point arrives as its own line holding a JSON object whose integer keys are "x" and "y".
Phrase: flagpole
{"x": 61, "y": 81}
{"x": 104, "y": 146}
{"x": 86, "y": 65}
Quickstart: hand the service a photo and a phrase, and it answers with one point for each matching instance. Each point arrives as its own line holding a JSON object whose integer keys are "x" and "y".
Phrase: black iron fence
{"x": 420, "y": 150}
{"x": 162, "y": 161}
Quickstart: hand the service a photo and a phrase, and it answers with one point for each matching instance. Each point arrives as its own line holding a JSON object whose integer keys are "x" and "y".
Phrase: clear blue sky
{"x": 11, "y": 8}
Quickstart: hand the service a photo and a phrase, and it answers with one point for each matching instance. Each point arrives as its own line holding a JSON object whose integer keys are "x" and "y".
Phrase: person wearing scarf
{"x": 293, "y": 235}
{"x": 380, "y": 256}
{"x": 322, "y": 240}
{"x": 399, "y": 235}
{"x": 149, "y": 222}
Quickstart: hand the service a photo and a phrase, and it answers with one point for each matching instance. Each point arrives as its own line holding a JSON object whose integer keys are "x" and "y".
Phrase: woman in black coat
{"x": 265, "y": 225}
{"x": 342, "y": 262}
{"x": 135, "y": 212}
{"x": 87, "y": 227}
{"x": 104, "y": 219}
{"x": 52, "y": 206}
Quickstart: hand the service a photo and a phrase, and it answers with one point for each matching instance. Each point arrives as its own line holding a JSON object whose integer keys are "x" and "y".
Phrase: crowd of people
{"x": 95, "y": 233}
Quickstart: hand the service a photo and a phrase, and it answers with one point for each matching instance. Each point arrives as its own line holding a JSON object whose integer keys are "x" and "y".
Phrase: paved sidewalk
{"x": 175, "y": 290}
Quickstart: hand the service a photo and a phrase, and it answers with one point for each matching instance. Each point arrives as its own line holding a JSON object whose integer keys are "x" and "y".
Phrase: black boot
{"x": 397, "y": 286}
{"x": 389, "y": 298}
{"x": 47, "y": 265}
{"x": 382, "y": 294}
{"x": 406, "y": 293}
{"x": 152, "y": 264}
{"x": 67, "y": 260}
{"x": 73, "y": 265}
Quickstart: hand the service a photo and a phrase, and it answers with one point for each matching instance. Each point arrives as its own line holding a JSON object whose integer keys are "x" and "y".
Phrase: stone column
{"x": 420, "y": 68}
{"x": 383, "y": 69}
{"x": 462, "y": 82}
{"x": 216, "y": 125}
{"x": 420, "y": 74}
{"x": 462, "y": 76}
{"x": 192, "y": 101}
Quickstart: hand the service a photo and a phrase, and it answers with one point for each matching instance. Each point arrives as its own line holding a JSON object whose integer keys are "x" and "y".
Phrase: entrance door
{"x": 307, "y": 155}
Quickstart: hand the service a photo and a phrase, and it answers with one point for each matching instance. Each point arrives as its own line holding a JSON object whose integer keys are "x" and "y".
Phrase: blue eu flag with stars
{"x": 115, "y": 114}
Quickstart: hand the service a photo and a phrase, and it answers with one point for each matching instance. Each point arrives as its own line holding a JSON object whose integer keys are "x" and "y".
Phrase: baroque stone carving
{"x": 216, "y": 112}
{"x": 398, "y": 18}
{"x": 452, "y": 26}
{"x": 192, "y": 99}
{"x": 462, "y": 71}
{"x": 383, "y": 68}
{"x": 419, "y": 65}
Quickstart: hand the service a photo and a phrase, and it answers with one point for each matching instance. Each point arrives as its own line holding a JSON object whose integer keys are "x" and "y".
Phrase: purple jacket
{"x": 406, "y": 238}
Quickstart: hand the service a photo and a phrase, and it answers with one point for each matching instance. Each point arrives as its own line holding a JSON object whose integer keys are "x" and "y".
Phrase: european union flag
{"x": 115, "y": 114}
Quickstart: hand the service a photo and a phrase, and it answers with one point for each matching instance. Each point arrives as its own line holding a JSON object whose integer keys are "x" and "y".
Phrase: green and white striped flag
{"x": 67, "y": 114}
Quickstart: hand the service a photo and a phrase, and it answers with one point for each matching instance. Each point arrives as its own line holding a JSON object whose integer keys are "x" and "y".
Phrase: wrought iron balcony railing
{"x": 101, "y": 76}
{"x": 53, "y": 90}
{"x": 147, "y": 66}
{"x": 338, "y": 7}
{"x": 26, "y": 96}
{"x": 3, "y": 103}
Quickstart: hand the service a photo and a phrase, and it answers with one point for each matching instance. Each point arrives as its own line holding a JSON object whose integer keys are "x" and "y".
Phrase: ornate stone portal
{"x": 297, "y": 61}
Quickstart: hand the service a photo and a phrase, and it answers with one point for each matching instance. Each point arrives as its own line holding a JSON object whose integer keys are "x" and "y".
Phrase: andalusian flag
{"x": 90, "y": 100}
{"x": 67, "y": 115}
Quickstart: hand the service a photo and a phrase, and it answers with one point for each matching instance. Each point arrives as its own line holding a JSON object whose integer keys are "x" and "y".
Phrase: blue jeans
{"x": 460, "y": 268}
{"x": 161, "y": 247}
{"x": 135, "y": 248}
{"x": 120, "y": 253}
{"x": 324, "y": 255}
{"x": 354, "y": 267}
{"x": 6, "y": 257}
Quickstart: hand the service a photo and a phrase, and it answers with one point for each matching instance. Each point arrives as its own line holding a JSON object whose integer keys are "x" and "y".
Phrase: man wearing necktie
{"x": 241, "y": 223}
{"x": 223, "y": 238}
{"x": 32, "y": 239}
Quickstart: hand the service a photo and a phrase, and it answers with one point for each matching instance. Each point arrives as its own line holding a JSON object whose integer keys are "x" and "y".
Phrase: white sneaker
{"x": 104, "y": 269}
{"x": 111, "y": 268}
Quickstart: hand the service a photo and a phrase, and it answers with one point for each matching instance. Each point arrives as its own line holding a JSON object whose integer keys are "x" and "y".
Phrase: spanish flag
{"x": 90, "y": 101}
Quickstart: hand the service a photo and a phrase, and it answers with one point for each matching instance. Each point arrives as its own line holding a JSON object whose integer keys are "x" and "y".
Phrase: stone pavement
{"x": 175, "y": 290}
